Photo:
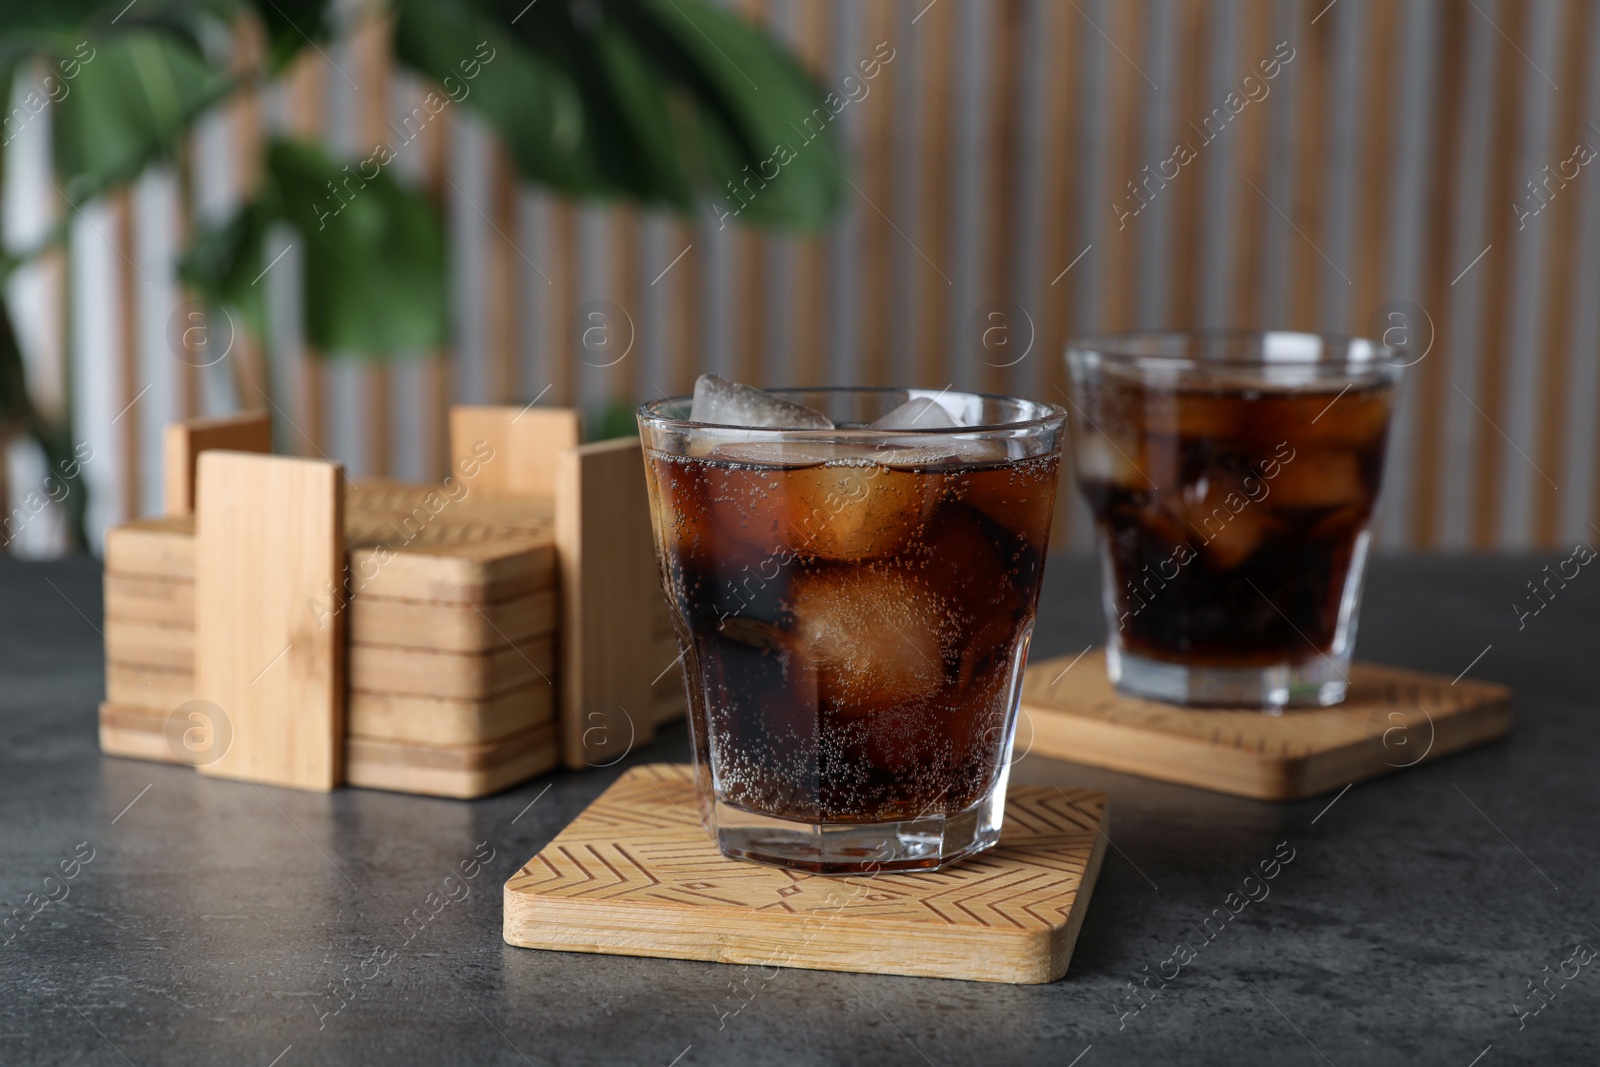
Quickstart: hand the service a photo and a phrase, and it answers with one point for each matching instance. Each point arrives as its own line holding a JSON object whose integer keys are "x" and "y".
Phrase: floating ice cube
{"x": 1319, "y": 478}
{"x": 1219, "y": 511}
{"x": 1228, "y": 543}
{"x": 791, "y": 453}
{"x": 1357, "y": 419}
{"x": 915, "y": 454}
{"x": 927, "y": 413}
{"x": 844, "y": 509}
{"x": 1020, "y": 497}
{"x": 724, "y": 403}
{"x": 876, "y": 639}
{"x": 918, "y": 413}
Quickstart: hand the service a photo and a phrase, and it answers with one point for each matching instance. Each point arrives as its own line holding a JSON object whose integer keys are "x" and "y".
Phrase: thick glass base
{"x": 925, "y": 843}
{"x": 1318, "y": 682}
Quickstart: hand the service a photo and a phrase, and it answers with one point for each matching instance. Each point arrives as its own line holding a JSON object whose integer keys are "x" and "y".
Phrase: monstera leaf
{"x": 373, "y": 253}
{"x": 663, "y": 101}
{"x": 767, "y": 113}
{"x": 536, "y": 106}
{"x": 133, "y": 97}
{"x": 122, "y": 82}
{"x": 656, "y": 100}
{"x": 610, "y": 98}
{"x": 293, "y": 24}
{"x": 668, "y": 102}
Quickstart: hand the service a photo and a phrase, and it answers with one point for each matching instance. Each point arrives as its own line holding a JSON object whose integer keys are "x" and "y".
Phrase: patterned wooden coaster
{"x": 1391, "y": 719}
{"x": 636, "y": 875}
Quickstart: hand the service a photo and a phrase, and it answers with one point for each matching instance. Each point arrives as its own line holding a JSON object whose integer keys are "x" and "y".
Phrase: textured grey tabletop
{"x": 213, "y": 922}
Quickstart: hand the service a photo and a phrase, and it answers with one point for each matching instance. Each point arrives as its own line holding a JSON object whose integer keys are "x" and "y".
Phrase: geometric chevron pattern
{"x": 1390, "y": 719}
{"x": 636, "y": 874}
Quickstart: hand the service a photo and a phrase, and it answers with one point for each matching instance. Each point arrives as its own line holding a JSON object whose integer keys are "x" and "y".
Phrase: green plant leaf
{"x": 644, "y": 97}
{"x": 375, "y": 264}
{"x": 132, "y": 98}
{"x": 754, "y": 106}
{"x": 534, "y": 105}
{"x": 49, "y": 27}
{"x": 613, "y": 419}
{"x": 639, "y": 98}
{"x": 292, "y": 25}
{"x": 224, "y": 262}
{"x": 373, "y": 253}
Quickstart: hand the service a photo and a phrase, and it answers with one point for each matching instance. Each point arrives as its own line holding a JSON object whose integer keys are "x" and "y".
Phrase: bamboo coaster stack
{"x": 452, "y": 658}
{"x": 451, "y": 609}
{"x": 451, "y": 645}
{"x": 149, "y": 635}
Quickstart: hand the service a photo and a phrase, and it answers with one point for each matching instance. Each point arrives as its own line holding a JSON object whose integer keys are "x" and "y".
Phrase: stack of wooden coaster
{"x": 451, "y": 641}
{"x": 451, "y": 612}
{"x": 452, "y": 660}
{"x": 149, "y": 633}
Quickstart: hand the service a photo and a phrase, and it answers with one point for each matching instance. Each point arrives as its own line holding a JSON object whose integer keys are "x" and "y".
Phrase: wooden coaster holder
{"x": 454, "y": 639}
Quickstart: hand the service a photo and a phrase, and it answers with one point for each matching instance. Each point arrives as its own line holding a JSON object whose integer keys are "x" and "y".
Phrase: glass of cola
{"x": 1232, "y": 476}
{"x": 853, "y": 575}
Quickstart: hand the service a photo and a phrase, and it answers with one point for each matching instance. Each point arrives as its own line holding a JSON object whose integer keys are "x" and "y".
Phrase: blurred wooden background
{"x": 1419, "y": 158}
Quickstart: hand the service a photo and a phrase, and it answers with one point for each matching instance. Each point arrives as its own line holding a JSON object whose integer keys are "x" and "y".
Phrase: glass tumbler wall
{"x": 1232, "y": 477}
{"x": 854, "y": 607}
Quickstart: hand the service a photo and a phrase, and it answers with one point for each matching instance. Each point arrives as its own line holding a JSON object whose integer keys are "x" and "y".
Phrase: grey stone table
{"x": 213, "y": 922}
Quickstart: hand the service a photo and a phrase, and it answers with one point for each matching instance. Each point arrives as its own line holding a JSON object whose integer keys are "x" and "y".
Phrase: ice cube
{"x": 1229, "y": 543}
{"x": 1357, "y": 419}
{"x": 1217, "y": 510}
{"x": 963, "y": 555}
{"x": 1214, "y": 415}
{"x": 720, "y": 402}
{"x": 843, "y": 510}
{"x": 788, "y": 453}
{"x": 916, "y": 454}
{"x": 1318, "y": 478}
{"x": 918, "y": 413}
{"x": 928, "y": 413}
{"x": 1019, "y": 496}
{"x": 818, "y": 499}
{"x": 872, "y": 638}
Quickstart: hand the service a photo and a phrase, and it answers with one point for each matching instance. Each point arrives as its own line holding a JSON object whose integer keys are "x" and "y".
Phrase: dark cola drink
{"x": 856, "y": 626}
{"x": 855, "y": 617}
{"x": 1233, "y": 524}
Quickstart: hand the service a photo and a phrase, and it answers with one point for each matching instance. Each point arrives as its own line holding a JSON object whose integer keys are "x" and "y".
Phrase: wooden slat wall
{"x": 990, "y": 161}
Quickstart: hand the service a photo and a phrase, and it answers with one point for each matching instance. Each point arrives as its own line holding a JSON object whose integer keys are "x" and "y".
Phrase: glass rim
{"x": 1055, "y": 414}
{"x": 1120, "y": 348}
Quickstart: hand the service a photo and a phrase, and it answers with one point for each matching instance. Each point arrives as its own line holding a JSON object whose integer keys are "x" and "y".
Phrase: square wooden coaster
{"x": 1391, "y": 719}
{"x": 636, "y": 875}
